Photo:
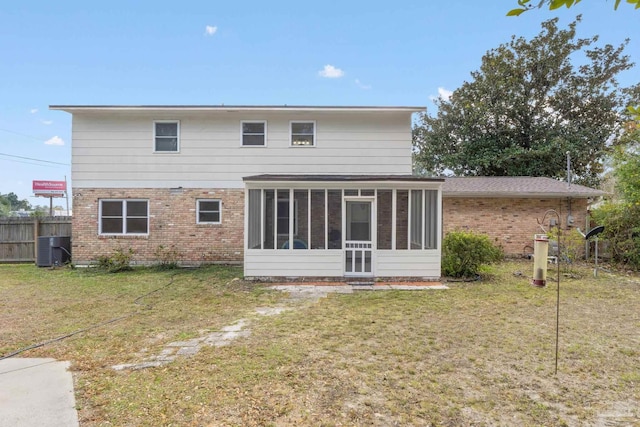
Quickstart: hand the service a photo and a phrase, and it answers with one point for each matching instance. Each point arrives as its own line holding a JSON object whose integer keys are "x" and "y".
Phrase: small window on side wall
{"x": 209, "y": 211}
{"x": 254, "y": 133}
{"x": 166, "y": 136}
{"x": 303, "y": 134}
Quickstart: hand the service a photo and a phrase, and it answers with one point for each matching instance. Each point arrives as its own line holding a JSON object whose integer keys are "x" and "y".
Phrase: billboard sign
{"x": 50, "y": 188}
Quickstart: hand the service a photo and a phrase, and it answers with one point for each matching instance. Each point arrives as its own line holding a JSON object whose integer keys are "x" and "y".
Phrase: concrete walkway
{"x": 36, "y": 392}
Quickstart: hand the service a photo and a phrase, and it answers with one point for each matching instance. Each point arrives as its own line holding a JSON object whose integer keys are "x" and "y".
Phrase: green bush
{"x": 622, "y": 231}
{"x": 120, "y": 260}
{"x": 464, "y": 252}
{"x": 570, "y": 244}
{"x": 166, "y": 257}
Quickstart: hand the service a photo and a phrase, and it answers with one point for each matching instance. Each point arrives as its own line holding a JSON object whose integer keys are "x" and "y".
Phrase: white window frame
{"x": 292, "y": 122}
{"x": 124, "y": 217}
{"x": 264, "y": 122}
{"x": 198, "y": 211}
{"x": 155, "y": 122}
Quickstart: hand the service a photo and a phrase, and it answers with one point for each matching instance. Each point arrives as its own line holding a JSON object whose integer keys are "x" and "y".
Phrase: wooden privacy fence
{"x": 19, "y": 236}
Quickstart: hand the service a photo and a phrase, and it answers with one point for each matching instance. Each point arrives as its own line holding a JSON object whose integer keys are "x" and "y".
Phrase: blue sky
{"x": 244, "y": 52}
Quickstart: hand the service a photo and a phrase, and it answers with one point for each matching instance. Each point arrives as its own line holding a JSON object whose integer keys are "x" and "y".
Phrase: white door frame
{"x": 359, "y": 246}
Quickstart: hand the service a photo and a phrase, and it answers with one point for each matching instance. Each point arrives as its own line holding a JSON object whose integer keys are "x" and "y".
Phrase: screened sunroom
{"x": 334, "y": 226}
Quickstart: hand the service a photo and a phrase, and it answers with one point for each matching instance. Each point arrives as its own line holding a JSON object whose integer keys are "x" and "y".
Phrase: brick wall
{"x": 509, "y": 222}
{"x": 172, "y": 224}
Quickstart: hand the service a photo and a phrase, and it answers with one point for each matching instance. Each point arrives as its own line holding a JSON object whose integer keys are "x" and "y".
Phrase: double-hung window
{"x": 121, "y": 217}
{"x": 303, "y": 134}
{"x": 166, "y": 136}
{"x": 254, "y": 133}
{"x": 209, "y": 211}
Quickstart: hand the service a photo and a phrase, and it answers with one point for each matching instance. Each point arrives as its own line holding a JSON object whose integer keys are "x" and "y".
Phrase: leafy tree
{"x": 621, "y": 214}
{"x": 40, "y": 212}
{"x": 5, "y": 208}
{"x": 526, "y": 107}
{"x": 14, "y": 203}
{"x": 526, "y": 5}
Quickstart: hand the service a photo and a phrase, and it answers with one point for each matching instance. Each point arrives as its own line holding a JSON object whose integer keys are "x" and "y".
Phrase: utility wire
{"x": 30, "y": 163}
{"x": 98, "y": 325}
{"x": 35, "y": 138}
{"x": 37, "y": 160}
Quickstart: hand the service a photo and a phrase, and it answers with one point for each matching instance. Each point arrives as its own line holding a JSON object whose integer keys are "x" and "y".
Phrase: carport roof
{"x": 520, "y": 186}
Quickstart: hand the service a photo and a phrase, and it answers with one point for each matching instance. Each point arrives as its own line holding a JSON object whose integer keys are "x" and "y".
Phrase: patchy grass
{"x": 480, "y": 353}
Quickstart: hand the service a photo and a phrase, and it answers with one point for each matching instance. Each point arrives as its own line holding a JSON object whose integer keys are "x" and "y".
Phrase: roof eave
{"x": 540, "y": 195}
{"x": 236, "y": 108}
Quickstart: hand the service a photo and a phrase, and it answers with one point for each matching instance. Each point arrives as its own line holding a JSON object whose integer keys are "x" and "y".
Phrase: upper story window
{"x": 124, "y": 216}
{"x": 166, "y": 136}
{"x": 209, "y": 211}
{"x": 303, "y": 134}
{"x": 254, "y": 133}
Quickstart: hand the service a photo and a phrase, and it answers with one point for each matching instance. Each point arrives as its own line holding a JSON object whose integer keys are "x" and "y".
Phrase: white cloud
{"x": 47, "y": 122}
{"x": 331, "y": 72}
{"x": 210, "y": 30}
{"x": 33, "y": 110}
{"x": 56, "y": 140}
{"x": 362, "y": 85}
{"x": 443, "y": 94}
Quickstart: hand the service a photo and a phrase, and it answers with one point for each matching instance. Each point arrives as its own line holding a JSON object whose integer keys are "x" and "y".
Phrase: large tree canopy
{"x": 528, "y": 106}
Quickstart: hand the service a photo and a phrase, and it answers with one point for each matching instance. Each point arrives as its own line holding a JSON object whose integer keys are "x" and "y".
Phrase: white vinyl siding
{"x": 424, "y": 263}
{"x": 166, "y": 136}
{"x": 112, "y": 151}
{"x": 265, "y": 263}
{"x": 253, "y": 133}
{"x": 123, "y": 217}
{"x": 208, "y": 211}
{"x": 329, "y": 263}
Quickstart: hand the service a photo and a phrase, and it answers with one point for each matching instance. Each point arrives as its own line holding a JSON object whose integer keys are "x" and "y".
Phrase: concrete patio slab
{"x": 36, "y": 392}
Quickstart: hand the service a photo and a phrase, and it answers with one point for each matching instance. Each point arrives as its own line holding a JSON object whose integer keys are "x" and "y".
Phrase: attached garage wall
{"x": 510, "y": 222}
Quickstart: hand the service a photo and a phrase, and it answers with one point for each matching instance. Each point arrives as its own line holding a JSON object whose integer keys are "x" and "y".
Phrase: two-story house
{"x": 290, "y": 191}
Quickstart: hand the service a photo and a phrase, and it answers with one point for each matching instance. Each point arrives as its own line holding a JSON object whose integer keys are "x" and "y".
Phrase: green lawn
{"x": 479, "y": 353}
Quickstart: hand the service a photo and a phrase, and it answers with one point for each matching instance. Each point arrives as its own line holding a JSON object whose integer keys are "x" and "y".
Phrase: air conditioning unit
{"x": 53, "y": 251}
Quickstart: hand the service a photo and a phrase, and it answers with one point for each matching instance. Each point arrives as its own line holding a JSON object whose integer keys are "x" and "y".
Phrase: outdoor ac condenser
{"x": 53, "y": 251}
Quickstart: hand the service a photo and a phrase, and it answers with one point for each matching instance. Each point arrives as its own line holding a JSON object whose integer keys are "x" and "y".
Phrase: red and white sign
{"x": 50, "y": 188}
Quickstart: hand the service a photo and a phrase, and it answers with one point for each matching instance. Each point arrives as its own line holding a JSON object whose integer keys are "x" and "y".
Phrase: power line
{"x": 30, "y": 163}
{"x": 36, "y": 160}
{"x": 22, "y": 134}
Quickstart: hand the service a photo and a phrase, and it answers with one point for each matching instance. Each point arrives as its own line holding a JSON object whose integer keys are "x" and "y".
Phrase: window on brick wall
{"x": 123, "y": 217}
{"x": 209, "y": 211}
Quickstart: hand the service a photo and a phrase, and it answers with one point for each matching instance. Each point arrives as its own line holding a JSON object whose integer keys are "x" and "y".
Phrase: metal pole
{"x": 595, "y": 270}
{"x": 66, "y": 193}
{"x": 569, "y": 169}
{"x": 558, "y": 310}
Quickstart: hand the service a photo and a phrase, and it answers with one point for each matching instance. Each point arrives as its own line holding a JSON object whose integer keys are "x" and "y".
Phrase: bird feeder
{"x": 540, "y": 254}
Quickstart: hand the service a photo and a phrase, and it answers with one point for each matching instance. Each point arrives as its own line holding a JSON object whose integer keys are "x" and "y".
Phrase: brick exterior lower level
{"x": 172, "y": 225}
{"x": 510, "y": 222}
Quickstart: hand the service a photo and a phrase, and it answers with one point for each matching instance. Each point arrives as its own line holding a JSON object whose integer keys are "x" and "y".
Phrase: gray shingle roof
{"x": 521, "y": 186}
